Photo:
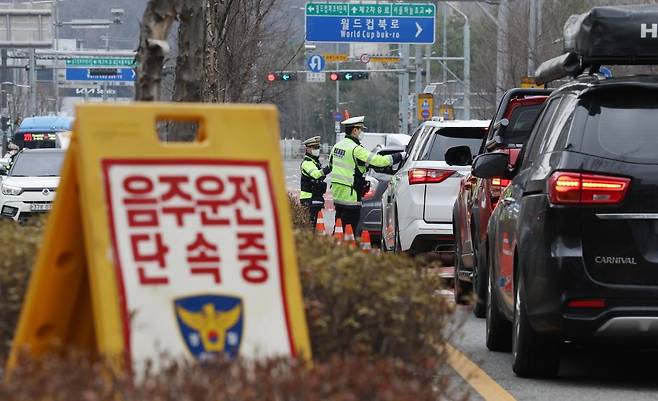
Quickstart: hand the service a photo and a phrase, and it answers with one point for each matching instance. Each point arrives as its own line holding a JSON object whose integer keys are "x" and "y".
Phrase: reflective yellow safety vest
{"x": 312, "y": 179}
{"x": 349, "y": 161}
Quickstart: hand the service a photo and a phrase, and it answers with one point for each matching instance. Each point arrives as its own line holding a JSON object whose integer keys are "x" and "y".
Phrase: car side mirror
{"x": 459, "y": 156}
{"x": 491, "y": 165}
{"x": 504, "y": 123}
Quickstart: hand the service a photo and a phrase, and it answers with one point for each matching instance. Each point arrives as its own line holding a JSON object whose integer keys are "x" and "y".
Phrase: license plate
{"x": 40, "y": 207}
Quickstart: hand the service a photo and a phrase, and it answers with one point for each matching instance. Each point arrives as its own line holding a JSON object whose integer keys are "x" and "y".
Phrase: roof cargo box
{"x": 614, "y": 35}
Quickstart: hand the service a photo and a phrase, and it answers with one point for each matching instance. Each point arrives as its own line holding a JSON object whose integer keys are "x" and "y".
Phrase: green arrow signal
{"x": 348, "y": 76}
{"x": 285, "y": 77}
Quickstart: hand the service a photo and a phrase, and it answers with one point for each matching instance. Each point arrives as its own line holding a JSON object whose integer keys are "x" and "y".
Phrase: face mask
{"x": 315, "y": 152}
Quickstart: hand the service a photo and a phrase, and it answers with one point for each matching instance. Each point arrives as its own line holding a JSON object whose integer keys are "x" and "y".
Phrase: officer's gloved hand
{"x": 398, "y": 157}
{"x": 326, "y": 170}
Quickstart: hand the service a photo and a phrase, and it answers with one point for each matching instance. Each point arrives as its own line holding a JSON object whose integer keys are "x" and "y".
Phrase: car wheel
{"x": 532, "y": 355}
{"x": 480, "y": 279}
{"x": 499, "y": 329}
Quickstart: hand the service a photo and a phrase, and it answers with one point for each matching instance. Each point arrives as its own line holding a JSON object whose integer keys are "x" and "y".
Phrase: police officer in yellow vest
{"x": 349, "y": 162}
{"x": 313, "y": 186}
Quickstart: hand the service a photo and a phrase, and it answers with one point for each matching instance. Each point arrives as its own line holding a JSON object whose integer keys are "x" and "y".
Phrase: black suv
{"x": 574, "y": 241}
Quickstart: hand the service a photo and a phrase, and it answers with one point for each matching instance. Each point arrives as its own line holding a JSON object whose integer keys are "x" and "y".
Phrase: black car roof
{"x": 593, "y": 83}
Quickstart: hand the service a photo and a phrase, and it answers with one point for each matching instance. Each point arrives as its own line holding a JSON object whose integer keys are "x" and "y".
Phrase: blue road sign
{"x": 315, "y": 63}
{"x": 375, "y": 23}
{"x": 100, "y": 74}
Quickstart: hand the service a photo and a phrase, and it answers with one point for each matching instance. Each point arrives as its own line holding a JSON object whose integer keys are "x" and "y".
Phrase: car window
{"x": 41, "y": 164}
{"x": 539, "y": 132}
{"x": 445, "y": 138}
{"x": 562, "y": 117}
{"x": 420, "y": 143}
{"x": 621, "y": 125}
{"x": 414, "y": 138}
{"x": 520, "y": 124}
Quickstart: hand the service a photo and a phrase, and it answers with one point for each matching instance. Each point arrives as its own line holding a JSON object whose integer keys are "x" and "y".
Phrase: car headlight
{"x": 11, "y": 190}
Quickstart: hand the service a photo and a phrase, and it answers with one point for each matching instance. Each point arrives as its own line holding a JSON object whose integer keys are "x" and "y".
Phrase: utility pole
{"x": 467, "y": 69}
{"x": 532, "y": 37}
{"x": 419, "y": 79}
{"x": 445, "y": 41}
{"x": 403, "y": 90}
{"x": 428, "y": 59}
{"x": 107, "y": 48}
{"x": 32, "y": 77}
{"x": 337, "y": 95}
{"x": 4, "y": 76}
{"x": 502, "y": 55}
{"x": 467, "y": 63}
{"x": 56, "y": 60}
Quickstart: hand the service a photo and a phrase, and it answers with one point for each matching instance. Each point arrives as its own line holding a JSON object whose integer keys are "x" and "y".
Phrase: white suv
{"x": 31, "y": 182}
{"x": 417, "y": 204}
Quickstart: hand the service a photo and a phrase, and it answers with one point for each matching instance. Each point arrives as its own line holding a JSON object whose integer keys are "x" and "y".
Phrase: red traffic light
{"x": 271, "y": 77}
{"x": 334, "y": 76}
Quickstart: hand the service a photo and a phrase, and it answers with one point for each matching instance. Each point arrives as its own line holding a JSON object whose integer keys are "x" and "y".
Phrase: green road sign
{"x": 102, "y": 61}
{"x": 371, "y": 10}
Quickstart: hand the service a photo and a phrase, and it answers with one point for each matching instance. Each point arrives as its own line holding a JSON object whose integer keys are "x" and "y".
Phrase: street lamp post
{"x": 467, "y": 62}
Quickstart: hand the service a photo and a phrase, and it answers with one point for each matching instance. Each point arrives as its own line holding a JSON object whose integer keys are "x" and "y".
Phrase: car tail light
{"x": 586, "y": 303}
{"x": 428, "y": 175}
{"x": 586, "y": 189}
{"x": 497, "y": 186}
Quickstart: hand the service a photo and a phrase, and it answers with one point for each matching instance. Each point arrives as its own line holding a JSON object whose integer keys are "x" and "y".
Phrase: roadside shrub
{"x": 17, "y": 255}
{"x": 371, "y": 318}
{"x": 338, "y": 378}
{"x": 299, "y": 213}
{"x": 382, "y": 305}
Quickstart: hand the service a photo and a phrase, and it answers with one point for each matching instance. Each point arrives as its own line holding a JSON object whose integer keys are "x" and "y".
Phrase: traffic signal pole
{"x": 337, "y": 127}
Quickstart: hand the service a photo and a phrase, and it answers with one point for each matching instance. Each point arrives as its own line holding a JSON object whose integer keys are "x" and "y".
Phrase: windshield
{"x": 37, "y": 164}
{"x": 621, "y": 126}
{"x": 446, "y": 138}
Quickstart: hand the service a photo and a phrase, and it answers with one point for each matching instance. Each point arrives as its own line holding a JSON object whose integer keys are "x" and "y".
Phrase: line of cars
{"x": 557, "y": 229}
{"x": 555, "y": 222}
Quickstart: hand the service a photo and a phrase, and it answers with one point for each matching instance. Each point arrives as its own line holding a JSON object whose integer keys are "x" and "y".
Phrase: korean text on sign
{"x": 195, "y": 229}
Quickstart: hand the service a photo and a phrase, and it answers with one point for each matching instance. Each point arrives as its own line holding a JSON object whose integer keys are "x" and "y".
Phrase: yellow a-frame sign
{"x": 179, "y": 247}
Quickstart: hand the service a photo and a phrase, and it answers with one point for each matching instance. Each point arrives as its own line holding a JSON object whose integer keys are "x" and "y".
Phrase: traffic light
{"x": 281, "y": 76}
{"x": 348, "y": 75}
{"x": 4, "y": 123}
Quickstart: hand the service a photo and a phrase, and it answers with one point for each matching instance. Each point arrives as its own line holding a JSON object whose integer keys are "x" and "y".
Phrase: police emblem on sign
{"x": 210, "y": 324}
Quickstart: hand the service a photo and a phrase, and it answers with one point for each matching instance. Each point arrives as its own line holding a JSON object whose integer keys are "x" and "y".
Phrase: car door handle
{"x": 508, "y": 201}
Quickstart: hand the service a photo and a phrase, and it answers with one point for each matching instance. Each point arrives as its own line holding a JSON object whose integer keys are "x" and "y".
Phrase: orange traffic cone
{"x": 349, "y": 236}
{"x": 338, "y": 230}
{"x": 319, "y": 225}
{"x": 366, "y": 246}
